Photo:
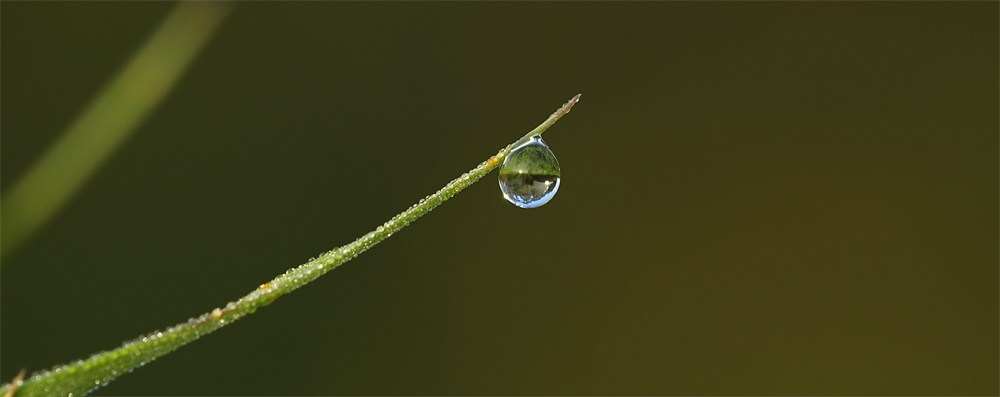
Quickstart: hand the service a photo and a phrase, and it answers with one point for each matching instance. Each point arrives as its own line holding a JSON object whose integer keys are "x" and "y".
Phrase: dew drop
{"x": 529, "y": 176}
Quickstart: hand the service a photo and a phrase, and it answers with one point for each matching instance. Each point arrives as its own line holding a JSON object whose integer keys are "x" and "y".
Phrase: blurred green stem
{"x": 83, "y": 376}
{"x": 107, "y": 121}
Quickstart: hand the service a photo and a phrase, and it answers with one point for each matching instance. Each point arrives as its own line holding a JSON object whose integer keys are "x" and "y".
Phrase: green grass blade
{"x": 81, "y": 377}
{"x": 116, "y": 111}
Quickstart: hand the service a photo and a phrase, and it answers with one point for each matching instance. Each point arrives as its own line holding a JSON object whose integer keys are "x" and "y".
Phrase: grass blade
{"x": 84, "y": 376}
{"x": 105, "y": 124}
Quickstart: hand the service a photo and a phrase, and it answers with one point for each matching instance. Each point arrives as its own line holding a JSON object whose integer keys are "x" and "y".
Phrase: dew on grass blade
{"x": 529, "y": 176}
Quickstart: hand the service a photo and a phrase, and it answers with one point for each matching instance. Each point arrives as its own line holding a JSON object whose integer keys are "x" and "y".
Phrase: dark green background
{"x": 757, "y": 198}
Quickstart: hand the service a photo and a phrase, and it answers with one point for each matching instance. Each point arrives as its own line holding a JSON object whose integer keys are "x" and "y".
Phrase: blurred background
{"x": 756, "y": 198}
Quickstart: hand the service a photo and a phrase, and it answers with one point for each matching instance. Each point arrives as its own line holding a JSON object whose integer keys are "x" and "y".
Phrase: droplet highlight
{"x": 529, "y": 176}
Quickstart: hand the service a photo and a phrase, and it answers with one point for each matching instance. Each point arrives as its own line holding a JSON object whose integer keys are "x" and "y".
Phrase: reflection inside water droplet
{"x": 529, "y": 176}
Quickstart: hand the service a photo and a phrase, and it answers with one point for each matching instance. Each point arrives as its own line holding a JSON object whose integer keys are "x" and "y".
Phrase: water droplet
{"x": 529, "y": 176}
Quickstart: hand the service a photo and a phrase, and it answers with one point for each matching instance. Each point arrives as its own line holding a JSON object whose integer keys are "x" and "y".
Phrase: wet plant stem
{"x": 84, "y": 376}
